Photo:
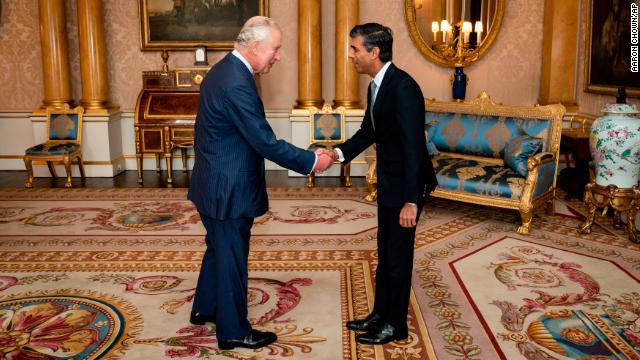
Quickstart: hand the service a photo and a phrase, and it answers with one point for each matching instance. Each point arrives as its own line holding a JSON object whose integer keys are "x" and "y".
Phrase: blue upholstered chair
{"x": 64, "y": 140}
{"x": 326, "y": 130}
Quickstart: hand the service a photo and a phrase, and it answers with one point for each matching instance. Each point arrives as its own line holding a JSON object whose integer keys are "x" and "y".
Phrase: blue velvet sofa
{"x": 492, "y": 154}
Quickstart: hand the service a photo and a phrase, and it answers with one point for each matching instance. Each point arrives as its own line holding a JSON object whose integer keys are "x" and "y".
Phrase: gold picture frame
{"x": 608, "y": 48}
{"x": 187, "y": 24}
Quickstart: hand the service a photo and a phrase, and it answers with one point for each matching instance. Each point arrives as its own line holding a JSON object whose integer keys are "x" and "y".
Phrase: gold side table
{"x": 622, "y": 200}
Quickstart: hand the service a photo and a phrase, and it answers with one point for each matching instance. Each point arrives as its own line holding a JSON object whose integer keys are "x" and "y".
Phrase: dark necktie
{"x": 374, "y": 92}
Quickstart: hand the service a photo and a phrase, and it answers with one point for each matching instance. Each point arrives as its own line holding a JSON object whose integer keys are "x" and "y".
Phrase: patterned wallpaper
{"x": 510, "y": 71}
{"x": 20, "y": 62}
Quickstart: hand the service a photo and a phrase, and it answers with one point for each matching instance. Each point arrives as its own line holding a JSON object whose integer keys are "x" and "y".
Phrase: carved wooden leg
{"x": 27, "y": 164}
{"x": 139, "y": 161}
{"x": 591, "y": 216}
{"x": 526, "y": 216}
{"x": 371, "y": 179}
{"x": 169, "y": 159}
{"x": 184, "y": 159}
{"x": 345, "y": 174}
{"x": 631, "y": 224}
{"x": 373, "y": 194}
{"x": 52, "y": 169}
{"x": 551, "y": 206}
{"x": 67, "y": 168}
{"x": 617, "y": 220}
{"x": 588, "y": 200}
{"x": 157, "y": 163}
{"x": 311, "y": 180}
{"x": 81, "y": 166}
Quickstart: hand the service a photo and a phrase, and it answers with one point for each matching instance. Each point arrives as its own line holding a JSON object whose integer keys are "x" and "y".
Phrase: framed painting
{"x": 608, "y": 59}
{"x": 186, "y": 24}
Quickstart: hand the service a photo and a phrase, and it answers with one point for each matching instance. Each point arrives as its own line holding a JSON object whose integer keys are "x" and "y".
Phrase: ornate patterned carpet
{"x": 88, "y": 273}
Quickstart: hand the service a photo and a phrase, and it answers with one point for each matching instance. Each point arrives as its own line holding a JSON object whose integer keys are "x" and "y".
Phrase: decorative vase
{"x": 459, "y": 84}
{"x": 615, "y": 146}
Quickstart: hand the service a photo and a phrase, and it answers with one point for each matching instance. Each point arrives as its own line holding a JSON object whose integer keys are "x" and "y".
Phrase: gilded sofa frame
{"x": 483, "y": 105}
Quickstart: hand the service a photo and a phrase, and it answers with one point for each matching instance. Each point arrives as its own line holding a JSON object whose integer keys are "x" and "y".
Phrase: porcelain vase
{"x": 615, "y": 146}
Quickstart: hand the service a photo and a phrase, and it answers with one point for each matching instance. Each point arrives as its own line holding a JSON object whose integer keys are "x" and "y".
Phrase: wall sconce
{"x": 201, "y": 56}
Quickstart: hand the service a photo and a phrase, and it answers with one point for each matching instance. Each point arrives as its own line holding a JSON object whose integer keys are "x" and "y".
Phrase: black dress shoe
{"x": 255, "y": 339}
{"x": 200, "y": 319}
{"x": 365, "y": 324}
{"x": 382, "y": 334}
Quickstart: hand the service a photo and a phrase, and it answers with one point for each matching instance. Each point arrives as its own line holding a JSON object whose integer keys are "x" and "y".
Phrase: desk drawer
{"x": 182, "y": 133}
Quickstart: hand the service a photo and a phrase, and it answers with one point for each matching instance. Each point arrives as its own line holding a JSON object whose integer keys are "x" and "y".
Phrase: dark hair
{"x": 375, "y": 35}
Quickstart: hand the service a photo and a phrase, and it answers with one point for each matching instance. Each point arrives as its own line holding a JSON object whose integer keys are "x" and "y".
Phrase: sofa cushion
{"x": 482, "y": 135}
{"x": 476, "y": 177}
{"x": 518, "y": 150}
{"x": 428, "y": 130}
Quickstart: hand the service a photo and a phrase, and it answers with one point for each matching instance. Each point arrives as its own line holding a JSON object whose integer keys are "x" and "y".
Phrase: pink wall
{"x": 510, "y": 71}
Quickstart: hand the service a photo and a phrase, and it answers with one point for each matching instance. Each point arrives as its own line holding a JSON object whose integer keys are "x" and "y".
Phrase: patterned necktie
{"x": 374, "y": 92}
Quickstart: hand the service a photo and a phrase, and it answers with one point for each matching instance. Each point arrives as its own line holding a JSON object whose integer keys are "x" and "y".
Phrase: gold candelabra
{"x": 454, "y": 45}
{"x": 459, "y": 54}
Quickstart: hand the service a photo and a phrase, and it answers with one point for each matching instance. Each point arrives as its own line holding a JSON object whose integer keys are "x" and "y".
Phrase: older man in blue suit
{"x": 232, "y": 139}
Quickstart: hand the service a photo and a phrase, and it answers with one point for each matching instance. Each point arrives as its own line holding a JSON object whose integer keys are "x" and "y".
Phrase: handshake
{"x": 325, "y": 160}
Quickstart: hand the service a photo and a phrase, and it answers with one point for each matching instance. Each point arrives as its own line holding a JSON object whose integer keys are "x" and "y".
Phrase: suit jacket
{"x": 405, "y": 173}
{"x": 232, "y": 138}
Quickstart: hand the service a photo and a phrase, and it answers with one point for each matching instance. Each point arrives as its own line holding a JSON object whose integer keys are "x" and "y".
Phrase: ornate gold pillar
{"x": 559, "y": 59}
{"x": 55, "y": 53}
{"x": 309, "y": 55}
{"x": 347, "y": 79}
{"x": 93, "y": 58}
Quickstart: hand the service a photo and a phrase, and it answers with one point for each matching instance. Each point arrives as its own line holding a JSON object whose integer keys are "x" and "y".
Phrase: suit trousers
{"x": 222, "y": 283}
{"x": 395, "y": 267}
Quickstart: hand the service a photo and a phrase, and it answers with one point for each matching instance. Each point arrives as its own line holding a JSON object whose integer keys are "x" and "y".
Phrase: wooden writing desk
{"x": 165, "y": 115}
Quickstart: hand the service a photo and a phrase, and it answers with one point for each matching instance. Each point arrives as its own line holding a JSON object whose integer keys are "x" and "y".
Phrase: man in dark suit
{"x": 232, "y": 138}
{"x": 394, "y": 121}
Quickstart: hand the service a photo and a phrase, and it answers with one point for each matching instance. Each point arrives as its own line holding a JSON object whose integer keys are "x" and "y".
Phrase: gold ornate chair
{"x": 326, "y": 130}
{"x": 63, "y": 143}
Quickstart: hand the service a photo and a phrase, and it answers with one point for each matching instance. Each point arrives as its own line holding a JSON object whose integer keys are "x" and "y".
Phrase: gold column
{"x": 93, "y": 57}
{"x": 347, "y": 79}
{"x": 559, "y": 59}
{"x": 309, "y": 55}
{"x": 55, "y": 54}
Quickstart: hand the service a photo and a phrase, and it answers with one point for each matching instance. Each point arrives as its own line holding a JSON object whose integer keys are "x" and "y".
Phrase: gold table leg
{"x": 622, "y": 200}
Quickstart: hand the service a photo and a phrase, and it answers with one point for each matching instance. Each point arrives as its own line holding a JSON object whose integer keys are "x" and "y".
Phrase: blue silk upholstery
{"x": 428, "y": 129}
{"x": 518, "y": 150}
{"x": 63, "y": 127}
{"x": 474, "y": 177}
{"x": 481, "y": 135}
{"x": 545, "y": 178}
{"x": 327, "y": 127}
{"x": 53, "y": 149}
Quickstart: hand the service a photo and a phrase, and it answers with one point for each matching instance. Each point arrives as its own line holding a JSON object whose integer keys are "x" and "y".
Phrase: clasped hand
{"x": 325, "y": 160}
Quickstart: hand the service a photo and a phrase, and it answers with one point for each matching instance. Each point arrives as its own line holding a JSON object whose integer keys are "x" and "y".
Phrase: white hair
{"x": 257, "y": 28}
